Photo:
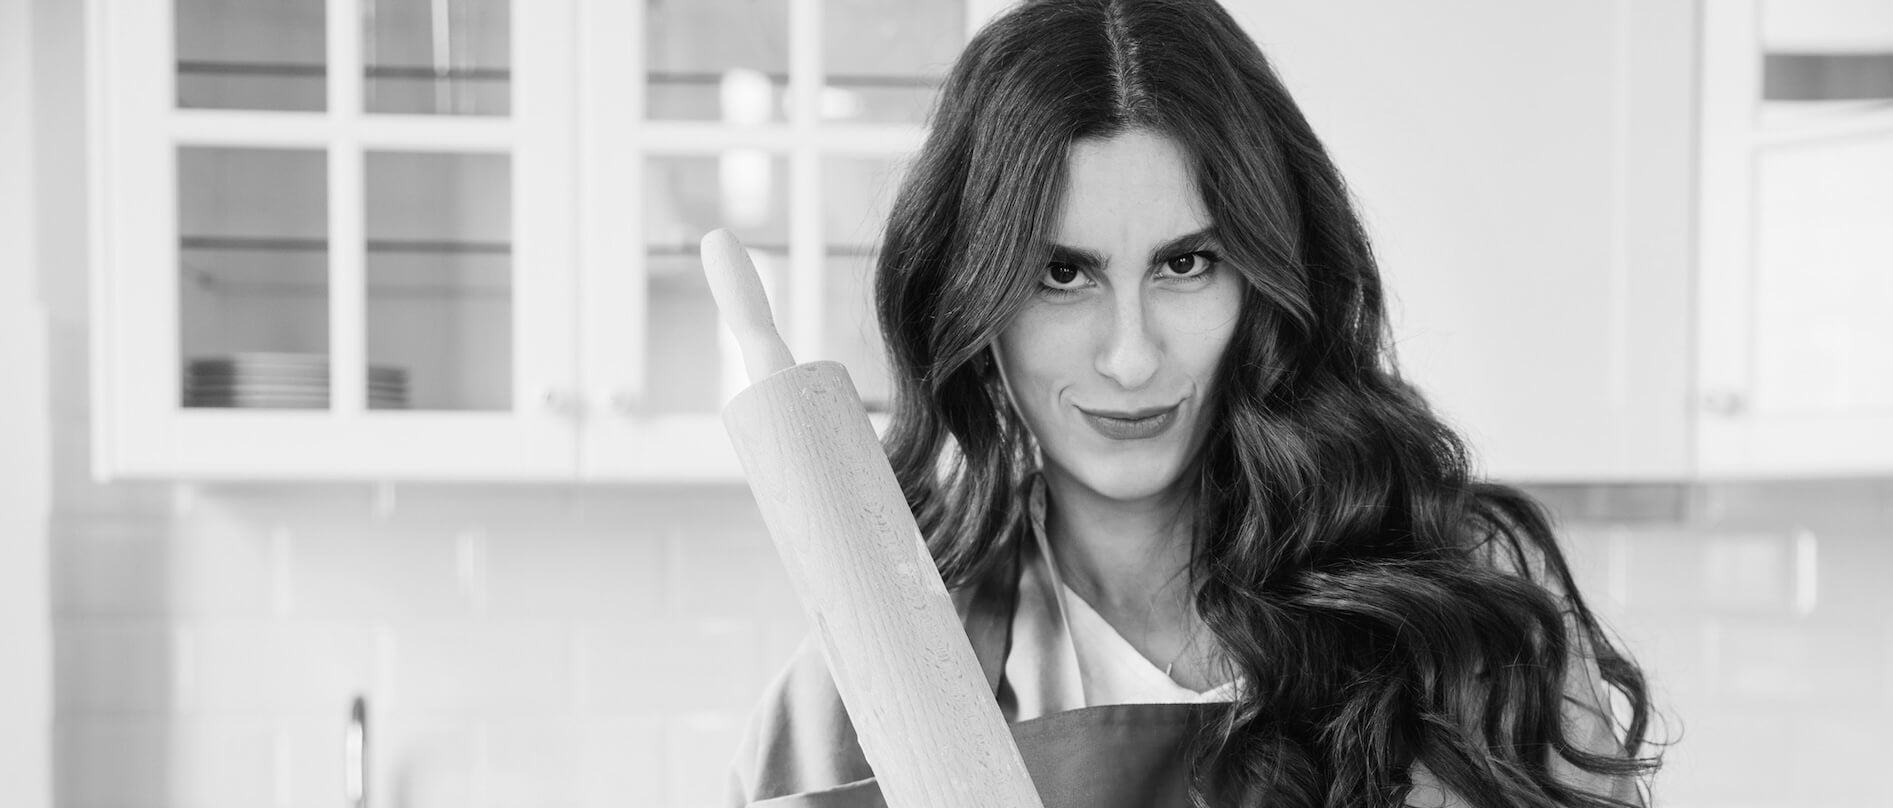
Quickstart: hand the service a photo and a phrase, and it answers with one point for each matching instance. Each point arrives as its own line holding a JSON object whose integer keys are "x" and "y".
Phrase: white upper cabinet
{"x": 333, "y": 240}
{"x": 1525, "y": 173}
{"x": 770, "y": 119}
{"x": 1623, "y": 241}
{"x": 456, "y": 239}
{"x": 1796, "y": 239}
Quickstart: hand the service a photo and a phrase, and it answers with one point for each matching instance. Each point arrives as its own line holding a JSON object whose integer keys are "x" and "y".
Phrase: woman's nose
{"x": 1130, "y": 354}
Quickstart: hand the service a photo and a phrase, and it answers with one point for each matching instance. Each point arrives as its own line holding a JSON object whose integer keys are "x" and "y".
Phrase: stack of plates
{"x": 282, "y": 381}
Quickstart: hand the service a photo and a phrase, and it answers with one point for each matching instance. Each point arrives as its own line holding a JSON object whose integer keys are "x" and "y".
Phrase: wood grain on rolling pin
{"x": 913, "y": 688}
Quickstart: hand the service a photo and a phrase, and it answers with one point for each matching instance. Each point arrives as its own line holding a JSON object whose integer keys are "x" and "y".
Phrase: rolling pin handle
{"x": 744, "y": 307}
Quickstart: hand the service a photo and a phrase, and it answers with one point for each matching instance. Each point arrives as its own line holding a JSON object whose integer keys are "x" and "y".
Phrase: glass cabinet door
{"x": 857, "y": 192}
{"x": 438, "y": 267}
{"x": 368, "y": 208}
{"x": 786, "y": 122}
{"x": 694, "y": 366}
{"x": 895, "y": 78}
{"x": 428, "y": 57}
{"x": 254, "y": 265}
{"x": 253, "y": 277}
{"x": 270, "y": 55}
{"x": 697, "y": 53}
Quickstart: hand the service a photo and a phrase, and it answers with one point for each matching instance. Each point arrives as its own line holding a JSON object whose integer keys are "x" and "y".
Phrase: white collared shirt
{"x": 1065, "y": 655}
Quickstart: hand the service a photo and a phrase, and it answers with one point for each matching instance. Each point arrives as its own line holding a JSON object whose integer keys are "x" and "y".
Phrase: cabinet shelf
{"x": 698, "y": 78}
{"x": 691, "y": 250}
{"x": 854, "y": 80}
{"x": 305, "y": 70}
{"x": 494, "y": 284}
{"x": 379, "y": 290}
{"x": 409, "y": 246}
{"x": 666, "y": 266}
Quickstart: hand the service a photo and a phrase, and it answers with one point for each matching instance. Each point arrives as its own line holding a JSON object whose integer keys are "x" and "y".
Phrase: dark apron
{"x": 1115, "y": 756}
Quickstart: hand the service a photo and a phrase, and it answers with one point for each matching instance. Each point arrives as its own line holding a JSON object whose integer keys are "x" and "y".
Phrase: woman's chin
{"x": 1129, "y": 481}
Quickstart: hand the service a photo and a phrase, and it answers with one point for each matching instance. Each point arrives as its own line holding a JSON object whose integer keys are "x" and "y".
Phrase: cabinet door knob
{"x": 1725, "y": 402}
{"x": 562, "y": 401}
{"x": 622, "y": 402}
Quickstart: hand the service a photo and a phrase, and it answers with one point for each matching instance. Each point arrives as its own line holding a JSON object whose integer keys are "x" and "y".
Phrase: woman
{"x": 1209, "y": 547}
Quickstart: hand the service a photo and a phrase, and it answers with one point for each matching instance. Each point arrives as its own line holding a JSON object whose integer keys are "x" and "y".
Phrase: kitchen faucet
{"x": 355, "y": 753}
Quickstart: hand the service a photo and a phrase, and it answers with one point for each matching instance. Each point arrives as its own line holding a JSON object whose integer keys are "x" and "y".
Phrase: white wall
{"x": 25, "y": 493}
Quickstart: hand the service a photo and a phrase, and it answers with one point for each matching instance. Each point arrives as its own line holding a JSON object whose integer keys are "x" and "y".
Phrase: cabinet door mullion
{"x": 804, "y": 333}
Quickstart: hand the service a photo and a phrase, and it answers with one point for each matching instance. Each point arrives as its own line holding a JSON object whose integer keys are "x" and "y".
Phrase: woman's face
{"x": 1111, "y": 362}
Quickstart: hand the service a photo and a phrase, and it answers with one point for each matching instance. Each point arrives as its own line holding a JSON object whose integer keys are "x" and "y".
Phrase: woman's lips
{"x": 1117, "y": 428}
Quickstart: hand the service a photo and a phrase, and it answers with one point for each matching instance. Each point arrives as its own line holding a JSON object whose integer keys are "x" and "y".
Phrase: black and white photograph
{"x": 946, "y": 403}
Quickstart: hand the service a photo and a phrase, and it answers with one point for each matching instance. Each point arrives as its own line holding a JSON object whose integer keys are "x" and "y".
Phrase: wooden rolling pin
{"x": 907, "y": 674}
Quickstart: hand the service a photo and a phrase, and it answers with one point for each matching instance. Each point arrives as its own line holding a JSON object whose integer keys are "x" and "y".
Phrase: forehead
{"x": 1127, "y": 191}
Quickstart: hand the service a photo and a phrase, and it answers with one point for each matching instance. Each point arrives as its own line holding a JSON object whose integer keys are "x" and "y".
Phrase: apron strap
{"x": 988, "y": 607}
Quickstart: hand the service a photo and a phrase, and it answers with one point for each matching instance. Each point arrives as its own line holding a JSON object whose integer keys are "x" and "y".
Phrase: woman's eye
{"x": 1062, "y": 277}
{"x": 1190, "y": 265}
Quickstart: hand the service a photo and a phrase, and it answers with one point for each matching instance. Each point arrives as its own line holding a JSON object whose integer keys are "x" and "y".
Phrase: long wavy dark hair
{"x": 1386, "y": 608}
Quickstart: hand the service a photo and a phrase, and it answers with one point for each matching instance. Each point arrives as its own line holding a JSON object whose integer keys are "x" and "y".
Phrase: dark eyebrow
{"x": 1186, "y": 243}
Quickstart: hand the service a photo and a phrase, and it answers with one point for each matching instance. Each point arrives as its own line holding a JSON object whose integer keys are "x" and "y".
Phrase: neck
{"x": 1128, "y": 559}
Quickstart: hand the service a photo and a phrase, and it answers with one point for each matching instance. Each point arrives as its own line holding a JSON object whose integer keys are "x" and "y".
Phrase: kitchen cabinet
{"x": 770, "y": 119}
{"x": 1796, "y": 250}
{"x": 455, "y": 239}
{"x": 332, "y": 240}
{"x": 1525, "y": 173}
{"x": 1623, "y": 241}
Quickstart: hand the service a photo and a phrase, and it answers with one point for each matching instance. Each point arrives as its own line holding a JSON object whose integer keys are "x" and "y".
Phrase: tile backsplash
{"x": 575, "y": 646}
{"x": 1760, "y": 616}
{"x": 519, "y": 646}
